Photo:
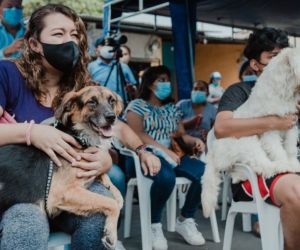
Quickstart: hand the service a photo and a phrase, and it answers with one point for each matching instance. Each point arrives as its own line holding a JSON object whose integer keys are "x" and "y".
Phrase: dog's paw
{"x": 109, "y": 240}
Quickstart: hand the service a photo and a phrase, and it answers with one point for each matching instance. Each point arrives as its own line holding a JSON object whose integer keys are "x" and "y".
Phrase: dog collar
{"x": 82, "y": 141}
{"x": 48, "y": 185}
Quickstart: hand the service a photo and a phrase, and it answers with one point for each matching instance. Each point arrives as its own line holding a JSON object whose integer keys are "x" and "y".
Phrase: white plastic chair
{"x": 225, "y": 195}
{"x": 59, "y": 240}
{"x": 268, "y": 216}
{"x": 171, "y": 208}
{"x": 144, "y": 185}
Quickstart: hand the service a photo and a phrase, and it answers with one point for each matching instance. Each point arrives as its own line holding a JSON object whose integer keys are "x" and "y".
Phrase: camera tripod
{"x": 120, "y": 78}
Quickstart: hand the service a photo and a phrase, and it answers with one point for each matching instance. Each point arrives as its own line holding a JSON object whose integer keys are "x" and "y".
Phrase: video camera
{"x": 115, "y": 40}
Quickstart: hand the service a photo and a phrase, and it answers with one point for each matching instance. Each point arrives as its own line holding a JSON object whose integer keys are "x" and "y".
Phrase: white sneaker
{"x": 158, "y": 238}
{"x": 188, "y": 230}
{"x": 120, "y": 246}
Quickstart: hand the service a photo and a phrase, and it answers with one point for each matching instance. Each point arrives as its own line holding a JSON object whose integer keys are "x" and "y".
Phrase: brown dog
{"x": 88, "y": 114}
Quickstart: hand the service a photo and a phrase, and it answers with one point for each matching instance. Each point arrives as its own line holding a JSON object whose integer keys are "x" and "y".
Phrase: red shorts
{"x": 243, "y": 192}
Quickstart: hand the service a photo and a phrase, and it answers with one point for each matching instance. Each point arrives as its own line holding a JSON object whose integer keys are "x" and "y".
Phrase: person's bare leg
{"x": 287, "y": 195}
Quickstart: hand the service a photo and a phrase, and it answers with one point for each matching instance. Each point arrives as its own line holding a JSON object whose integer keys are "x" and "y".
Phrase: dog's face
{"x": 91, "y": 112}
{"x": 283, "y": 73}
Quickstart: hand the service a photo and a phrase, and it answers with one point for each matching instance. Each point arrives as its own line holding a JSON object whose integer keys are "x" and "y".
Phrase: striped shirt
{"x": 159, "y": 122}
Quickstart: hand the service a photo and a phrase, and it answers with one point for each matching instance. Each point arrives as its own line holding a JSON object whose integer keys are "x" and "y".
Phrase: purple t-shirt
{"x": 16, "y": 98}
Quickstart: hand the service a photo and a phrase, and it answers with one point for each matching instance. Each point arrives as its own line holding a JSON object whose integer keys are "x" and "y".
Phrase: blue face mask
{"x": 163, "y": 90}
{"x": 215, "y": 84}
{"x": 250, "y": 78}
{"x": 12, "y": 16}
{"x": 198, "y": 96}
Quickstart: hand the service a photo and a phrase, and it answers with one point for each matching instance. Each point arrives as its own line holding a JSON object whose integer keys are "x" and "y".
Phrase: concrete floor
{"x": 241, "y": 240}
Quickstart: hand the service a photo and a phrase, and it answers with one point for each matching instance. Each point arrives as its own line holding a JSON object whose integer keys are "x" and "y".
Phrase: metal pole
{"x": 112, "y": 2}
{"x": 190, "y": 42}
{"x": 159, "y": 6}
{"x": 141, "y": 5}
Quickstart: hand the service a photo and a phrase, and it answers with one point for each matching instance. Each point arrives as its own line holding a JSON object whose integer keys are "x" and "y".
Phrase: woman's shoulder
{"x": 138, "y": 106}
{"x": 184, "y": 103}
{"x": 9, "y": 69}
{"x": 138, "y": 103}
{"x": 8, "y": 64}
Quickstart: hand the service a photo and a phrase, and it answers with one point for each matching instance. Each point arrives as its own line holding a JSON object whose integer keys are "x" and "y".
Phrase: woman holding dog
{"x": 54, "y": 62}
{"x": 155, "y": 118}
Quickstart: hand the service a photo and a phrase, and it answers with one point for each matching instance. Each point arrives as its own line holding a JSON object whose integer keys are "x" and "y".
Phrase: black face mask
{"x": 63, "y": 57}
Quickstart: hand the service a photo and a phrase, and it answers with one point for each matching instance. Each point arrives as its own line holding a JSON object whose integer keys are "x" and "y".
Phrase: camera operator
{"x": 104, "y": 70}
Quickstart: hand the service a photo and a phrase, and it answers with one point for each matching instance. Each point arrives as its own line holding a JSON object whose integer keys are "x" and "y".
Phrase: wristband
{"x": 140, "y": 149}
{"x": 28, "y": 133}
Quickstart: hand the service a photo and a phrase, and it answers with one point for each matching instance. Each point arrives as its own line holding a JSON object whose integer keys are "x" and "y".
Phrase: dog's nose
{"x": 110, "y": 117}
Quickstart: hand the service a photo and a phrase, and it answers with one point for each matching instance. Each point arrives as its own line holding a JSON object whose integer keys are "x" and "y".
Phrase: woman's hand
{"x": 149, "y": 163}
{"x": 174, "y": 156}
{"x": 97, "y": 162}
{"x": 54, "y": 142}
{"x": 199, "y": 146}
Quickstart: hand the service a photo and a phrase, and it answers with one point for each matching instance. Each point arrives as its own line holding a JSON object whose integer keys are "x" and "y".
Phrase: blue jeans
{"x": 164, "y": 182}
{"x": 118, "y": 178}
{"x": 26, "y": 227}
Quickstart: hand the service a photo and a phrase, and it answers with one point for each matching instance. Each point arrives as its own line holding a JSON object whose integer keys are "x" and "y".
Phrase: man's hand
{"x": 150, "y": 163}
{"x": 16, "y": 46}
{"x": 283, "y": 123}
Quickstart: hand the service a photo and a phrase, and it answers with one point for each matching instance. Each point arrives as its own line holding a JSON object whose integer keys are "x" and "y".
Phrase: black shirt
{"x": 235, "y": 96}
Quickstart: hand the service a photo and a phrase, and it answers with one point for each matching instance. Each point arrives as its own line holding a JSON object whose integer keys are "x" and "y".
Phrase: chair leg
{"x": 214, "y": 227}
{"x": 271, "y": 236}
{"x": 181, "y": 196}
{"x": 229, "y": 230}
{"x": 128, "y": 210}
{"x": 171, "y": 211}
{"x": 145, "y": 214}
{"x": 225, "y": 193}
{"x": 247, "y": 223}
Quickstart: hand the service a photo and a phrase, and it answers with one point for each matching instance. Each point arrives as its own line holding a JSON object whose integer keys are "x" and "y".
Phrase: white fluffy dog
{"x": 276, "y": 92}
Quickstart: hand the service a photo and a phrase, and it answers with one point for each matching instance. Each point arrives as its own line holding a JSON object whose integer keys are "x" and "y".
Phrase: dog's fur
{"x": 89, "y": 114}
{"x": 276, "y": 92}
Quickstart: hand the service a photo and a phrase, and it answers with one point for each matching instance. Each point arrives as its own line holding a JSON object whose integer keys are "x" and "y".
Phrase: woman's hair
{"x": 30, "y": 63}
{"x": 126, "y": 47}
{"x": 204, "y": 84}
{"x": 148, "y": 78}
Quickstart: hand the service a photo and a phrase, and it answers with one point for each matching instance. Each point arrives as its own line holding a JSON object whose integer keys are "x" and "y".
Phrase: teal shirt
{"x": 7, "y": 39}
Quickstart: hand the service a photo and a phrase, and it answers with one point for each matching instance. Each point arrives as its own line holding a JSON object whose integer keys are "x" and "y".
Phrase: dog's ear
{"x": 63, "y": 111}
{"x": 119, "y": 105}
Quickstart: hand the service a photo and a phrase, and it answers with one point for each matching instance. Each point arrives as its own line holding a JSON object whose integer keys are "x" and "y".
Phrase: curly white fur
{"x": 276, "y": 92}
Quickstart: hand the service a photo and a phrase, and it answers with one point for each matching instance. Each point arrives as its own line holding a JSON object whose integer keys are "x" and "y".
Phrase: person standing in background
{"x": 215, "y": 89}
{"x": 104, "y": 70}
{"x": 11, "y": 28}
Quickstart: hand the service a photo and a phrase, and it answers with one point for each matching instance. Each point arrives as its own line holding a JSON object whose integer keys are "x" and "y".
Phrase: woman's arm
{"x": 192, "y": 122}
{"x": 132, "y": 141}
{"x": 228, "y": 126}
{"x": 136, "y": 123}
{"x": 46, "y": 138}
{"x": 196, "y": 143}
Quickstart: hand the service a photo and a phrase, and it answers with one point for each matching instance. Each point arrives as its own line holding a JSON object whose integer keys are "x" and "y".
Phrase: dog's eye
{"x": 92, "y": 103}
{"x": 111, "y": 101}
